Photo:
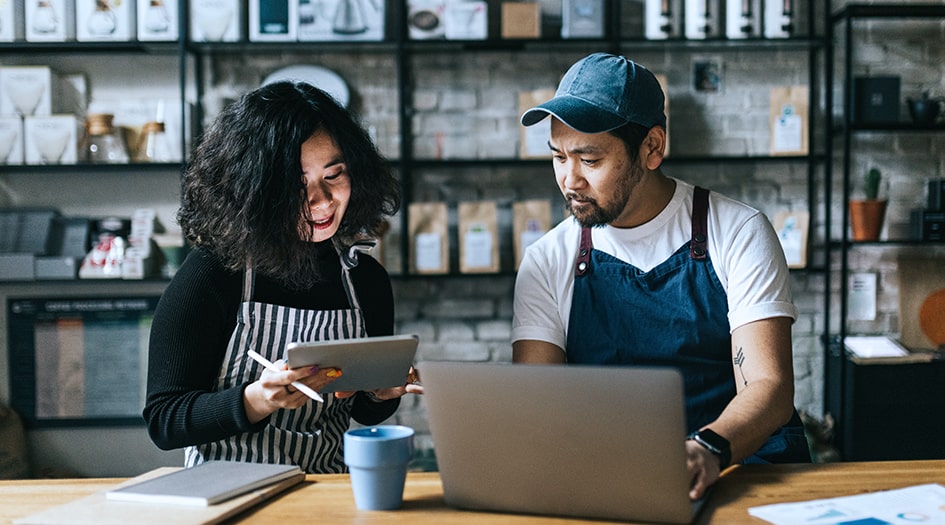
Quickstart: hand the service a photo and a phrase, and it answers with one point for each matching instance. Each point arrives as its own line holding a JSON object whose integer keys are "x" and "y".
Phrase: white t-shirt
{"x": 743, "y": 247}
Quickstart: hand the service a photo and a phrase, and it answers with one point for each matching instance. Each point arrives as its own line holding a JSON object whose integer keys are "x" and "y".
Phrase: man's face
{"x": 595, "y": 175}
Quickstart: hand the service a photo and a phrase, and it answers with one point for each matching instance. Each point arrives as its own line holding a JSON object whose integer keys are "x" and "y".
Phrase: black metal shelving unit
{"x": 840, "y": 372}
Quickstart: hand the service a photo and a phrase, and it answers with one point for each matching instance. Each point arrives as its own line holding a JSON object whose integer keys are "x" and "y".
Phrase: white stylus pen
{"x": 268, "y": 364}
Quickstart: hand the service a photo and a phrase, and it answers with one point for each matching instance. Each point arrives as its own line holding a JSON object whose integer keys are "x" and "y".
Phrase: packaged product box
{"x": 662, "y": 19}
{"x": 533, "y": 140}
{"x": 466, "y": 20}
{"x": 426, "y": 19}
{"x": 788, "y": 116}
{"x": 273, "y": 20}
{"x": 105, "y": 20}
{"x": 11, "y": 140}
{"x": 429, "y": 237}
{"x": 25, "y": 90}
{"x": 49, "y": 20}
{"x": 55, "y": 268}
{"x": 742, "y": 19}
{"x": 701, "y": 19}
{"x": 157, "y": 20}
{"x": 530, "y": 220}
{"x": 11, "y": 20}
{"x": 778, "y": 19}
{"x": 216, "y": 20}
{"x": 50, "y": 139}
{"x": 521, "y": 20}
{"x": 478, "y": 237}
{"x": 582, "y": 19}
{"x": 17, "y": 267}
{"x": 343, "y": 20}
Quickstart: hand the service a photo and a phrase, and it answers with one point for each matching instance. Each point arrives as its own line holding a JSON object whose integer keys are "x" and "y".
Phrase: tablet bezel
{"x": 366, "y": 363}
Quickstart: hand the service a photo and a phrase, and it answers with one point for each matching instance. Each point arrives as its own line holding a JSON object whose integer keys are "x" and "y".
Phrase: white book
{"x": 205, "y": 484}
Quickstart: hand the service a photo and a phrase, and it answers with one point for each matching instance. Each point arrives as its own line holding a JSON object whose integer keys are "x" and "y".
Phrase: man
{"x": 652, "y": 271}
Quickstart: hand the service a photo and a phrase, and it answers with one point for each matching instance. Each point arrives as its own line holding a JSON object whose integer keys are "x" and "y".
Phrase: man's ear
{"x": 653, "y": 147}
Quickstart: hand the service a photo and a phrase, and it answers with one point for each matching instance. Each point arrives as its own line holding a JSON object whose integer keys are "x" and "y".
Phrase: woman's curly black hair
{"x": 243, "y": 196}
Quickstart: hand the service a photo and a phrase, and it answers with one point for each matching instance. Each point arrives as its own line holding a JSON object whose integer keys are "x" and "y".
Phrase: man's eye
{"x": 589, "y": 162}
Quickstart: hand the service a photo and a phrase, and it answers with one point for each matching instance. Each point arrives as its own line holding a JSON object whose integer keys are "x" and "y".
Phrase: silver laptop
{"x": 590, "y": 442}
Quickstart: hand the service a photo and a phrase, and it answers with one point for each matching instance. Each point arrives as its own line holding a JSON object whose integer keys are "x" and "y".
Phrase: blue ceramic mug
{"x": 377, "y": 459}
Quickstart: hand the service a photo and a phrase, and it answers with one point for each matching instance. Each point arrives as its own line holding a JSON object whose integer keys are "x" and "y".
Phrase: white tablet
{"x": 366, "y": 363}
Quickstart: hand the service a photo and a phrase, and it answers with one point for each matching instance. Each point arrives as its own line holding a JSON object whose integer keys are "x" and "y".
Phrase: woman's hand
{"x": 274, "y": 390}
{"x": 412, "y": 386}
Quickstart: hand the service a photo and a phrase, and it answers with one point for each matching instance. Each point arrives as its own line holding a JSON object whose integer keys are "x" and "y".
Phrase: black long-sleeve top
{"x": 192, "y": 325}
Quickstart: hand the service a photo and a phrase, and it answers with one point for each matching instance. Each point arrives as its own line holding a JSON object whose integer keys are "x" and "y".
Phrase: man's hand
{"x": 703, "y": 469}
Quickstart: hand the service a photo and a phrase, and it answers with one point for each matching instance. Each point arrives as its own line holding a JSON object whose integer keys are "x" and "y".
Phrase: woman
{"x": 275, "y": 200}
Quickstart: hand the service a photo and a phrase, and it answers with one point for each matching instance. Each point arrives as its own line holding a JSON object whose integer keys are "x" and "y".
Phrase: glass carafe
{"x": 103, "y": 143}
{"x": 152, "y": 144}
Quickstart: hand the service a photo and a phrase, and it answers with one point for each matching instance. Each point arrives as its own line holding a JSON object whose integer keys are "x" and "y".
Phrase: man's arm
{"x": 764, "y": 377}
{"x": 530, "y": 351}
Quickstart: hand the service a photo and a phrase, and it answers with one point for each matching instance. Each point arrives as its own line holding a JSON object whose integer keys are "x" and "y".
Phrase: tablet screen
{"x": 366, "y": 363}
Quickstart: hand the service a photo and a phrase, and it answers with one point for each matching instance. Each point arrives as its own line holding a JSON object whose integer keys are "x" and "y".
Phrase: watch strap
{"x": 715, "y": 444}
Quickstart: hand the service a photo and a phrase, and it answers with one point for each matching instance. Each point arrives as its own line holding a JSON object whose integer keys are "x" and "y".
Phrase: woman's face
{"x": 327, "y": 185}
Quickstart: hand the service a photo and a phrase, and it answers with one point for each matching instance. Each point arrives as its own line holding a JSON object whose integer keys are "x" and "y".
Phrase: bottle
{"x": 152, "y": 144}
{"x": 103, "y": 143}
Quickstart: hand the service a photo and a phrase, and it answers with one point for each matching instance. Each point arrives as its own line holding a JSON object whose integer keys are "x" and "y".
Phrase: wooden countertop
{"x": 327, "y": 499}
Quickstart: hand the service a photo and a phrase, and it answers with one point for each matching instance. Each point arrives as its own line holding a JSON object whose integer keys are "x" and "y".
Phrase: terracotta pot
{"x": 866, "y": 219}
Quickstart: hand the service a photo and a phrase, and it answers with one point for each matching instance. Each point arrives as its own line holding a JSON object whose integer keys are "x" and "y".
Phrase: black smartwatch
{"x": 715, "y": 444}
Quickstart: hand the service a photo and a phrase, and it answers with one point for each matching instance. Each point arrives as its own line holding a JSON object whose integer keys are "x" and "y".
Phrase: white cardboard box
{"x": 582, "y": 19}
{"x": 11, "y": 140}
{"x": 50, "y": 139}
{"x": 11, "y": 20}
{"x": 105, "y": 20}
{"x": 425, "y": 19}
{"x": 157, "y": 20}
{"x": 49, "y": 20}
{"x": 701, "y": 19}
{"x": 778, "y": 20}
{"x": 742, "y": 19}
{"x": 216, "y": 20}
{"x": 331, "y": 20}
{"x": 662, "y": 19}
{"x": 468, "y": 20}
{"x": 25, "y": 90}
{"x": 274, "y": 20}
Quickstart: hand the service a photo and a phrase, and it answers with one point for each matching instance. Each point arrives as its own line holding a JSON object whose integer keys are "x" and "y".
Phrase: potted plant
{"x": 866, "y": 216}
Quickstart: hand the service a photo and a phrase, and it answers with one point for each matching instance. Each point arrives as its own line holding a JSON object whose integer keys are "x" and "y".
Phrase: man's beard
{"x": 591, "y": 214}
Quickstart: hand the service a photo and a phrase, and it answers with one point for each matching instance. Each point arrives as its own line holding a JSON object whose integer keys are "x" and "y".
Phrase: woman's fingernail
{"x": 314, "y": 369}
{"x": 334, "y": 372}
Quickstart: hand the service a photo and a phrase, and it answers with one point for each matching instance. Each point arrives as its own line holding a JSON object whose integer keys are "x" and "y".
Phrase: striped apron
{"x": 312, "y": 436}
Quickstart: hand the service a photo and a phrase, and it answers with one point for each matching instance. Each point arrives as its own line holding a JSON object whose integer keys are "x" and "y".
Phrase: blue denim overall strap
{"x": 674, "y": 315}
{"x": 311, "y": 436}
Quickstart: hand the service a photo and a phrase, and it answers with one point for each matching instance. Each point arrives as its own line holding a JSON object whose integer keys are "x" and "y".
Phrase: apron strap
{"x": 249, "y": 279}
{"x": 584, "y": 253}
{"x": 700, "y": 213}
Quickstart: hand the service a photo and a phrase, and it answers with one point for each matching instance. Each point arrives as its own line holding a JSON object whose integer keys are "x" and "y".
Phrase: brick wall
{"x": 466, "y": 107}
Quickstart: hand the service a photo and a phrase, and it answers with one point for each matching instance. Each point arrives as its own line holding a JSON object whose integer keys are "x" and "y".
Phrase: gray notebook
{"x": 205, "y": 484}
{"x": 590, "y": 442}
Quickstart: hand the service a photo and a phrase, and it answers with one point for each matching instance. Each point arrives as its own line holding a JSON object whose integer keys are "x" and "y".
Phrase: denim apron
{"x": 312, "y": 436}
{"x": 675, "y": 315}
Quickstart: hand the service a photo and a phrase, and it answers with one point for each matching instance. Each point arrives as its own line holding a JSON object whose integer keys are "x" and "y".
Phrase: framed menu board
{"x": 79, "y": 361}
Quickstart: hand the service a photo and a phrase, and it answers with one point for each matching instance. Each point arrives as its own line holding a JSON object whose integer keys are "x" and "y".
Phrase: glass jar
{"x": 152, "y": 144}
{"x": 103, "y": 143}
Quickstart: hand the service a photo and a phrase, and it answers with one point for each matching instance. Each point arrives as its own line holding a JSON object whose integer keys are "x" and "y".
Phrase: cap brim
{"x": 575, "y": 113}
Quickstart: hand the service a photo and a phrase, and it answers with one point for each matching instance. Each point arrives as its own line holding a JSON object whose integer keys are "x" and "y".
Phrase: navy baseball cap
{"x": 602, "y": 92}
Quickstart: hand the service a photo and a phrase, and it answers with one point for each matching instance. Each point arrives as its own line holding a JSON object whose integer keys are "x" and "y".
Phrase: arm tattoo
{"x": 739, "y": 360}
